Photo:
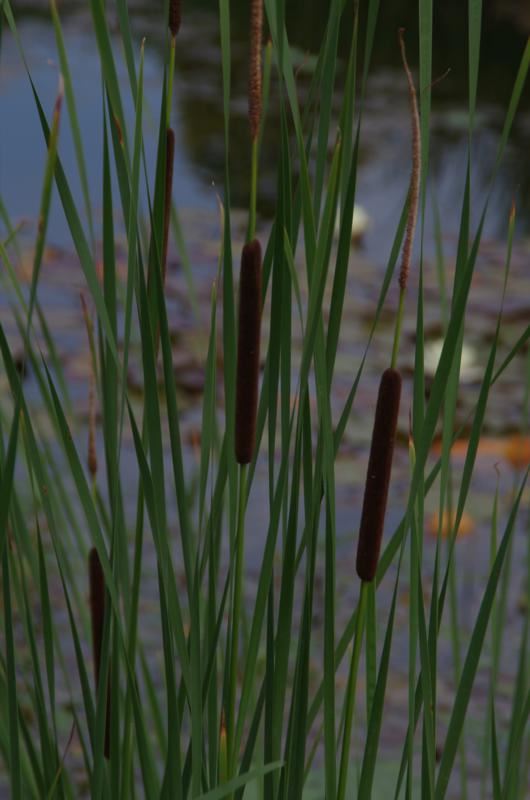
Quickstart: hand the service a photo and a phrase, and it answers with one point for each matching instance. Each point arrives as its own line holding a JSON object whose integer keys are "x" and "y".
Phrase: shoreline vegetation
{"x": 225, "y": 696}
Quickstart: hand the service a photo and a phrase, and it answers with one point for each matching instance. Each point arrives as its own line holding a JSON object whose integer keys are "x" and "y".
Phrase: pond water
{"x": 382, "y": 185}
{"x": 197, "y": 112}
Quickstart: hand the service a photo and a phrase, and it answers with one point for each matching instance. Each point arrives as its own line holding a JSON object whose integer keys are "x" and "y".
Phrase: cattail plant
{"x": 387, "y": 410}
{"x": 383, "y": 437}
{"x": 378, "y": 474}
{"x": 248, "y": 351}
{"x": 371, "y": 532}
{"x": 97, "y": 615}
{"x": 247, "y": 365}
{"x": 245, "y": 440}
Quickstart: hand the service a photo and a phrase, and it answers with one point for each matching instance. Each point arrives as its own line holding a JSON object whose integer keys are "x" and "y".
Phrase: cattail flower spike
{"x": 378, "y": 474}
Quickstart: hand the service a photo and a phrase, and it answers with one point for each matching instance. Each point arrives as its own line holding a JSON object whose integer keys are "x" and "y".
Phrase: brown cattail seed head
{"x": 378, "y": 475}
{"x": 254, "y": 80}
{"x": 174, "y": 17}
{"x": 170, "y": 157}
{"x": 97, "y": 614}
{"x": 248, "y": 351}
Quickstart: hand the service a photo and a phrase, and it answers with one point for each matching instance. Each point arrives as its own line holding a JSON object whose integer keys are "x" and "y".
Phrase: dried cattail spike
{"x": 97, "y": 614}
{"x": 378, "y": 474}
{"x": 174, "y": 17}
{"x": 248, "y": 351}
{"x": 170, "y": 157}
{"x": 414, "y": 187}
{"x": 254, "y": 82}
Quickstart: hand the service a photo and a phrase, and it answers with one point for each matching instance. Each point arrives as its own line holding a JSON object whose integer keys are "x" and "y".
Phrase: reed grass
{"x": 233, "y": 687}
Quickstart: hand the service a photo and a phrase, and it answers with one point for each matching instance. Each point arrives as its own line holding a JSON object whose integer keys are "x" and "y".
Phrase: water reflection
{"x": 385, "y": 158}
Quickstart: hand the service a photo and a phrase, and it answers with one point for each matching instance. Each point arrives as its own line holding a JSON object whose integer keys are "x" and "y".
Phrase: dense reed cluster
{"x": 215, "y": 677}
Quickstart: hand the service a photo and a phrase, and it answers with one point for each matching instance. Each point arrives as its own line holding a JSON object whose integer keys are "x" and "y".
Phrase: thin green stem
{"x": 236, "y": 616}
{"x": 170, "y": 78}
{"x": 350, "y": 691}
{"x": 397, "y": 329}
{"x": 253, "y": 191}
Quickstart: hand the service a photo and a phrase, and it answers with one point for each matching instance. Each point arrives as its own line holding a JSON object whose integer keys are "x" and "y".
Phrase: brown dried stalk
{"x": 414, "y": 188}
{"x": 255, "y": 78}
{"x": 378, "y": 474}
{"x": 248, "y": 351}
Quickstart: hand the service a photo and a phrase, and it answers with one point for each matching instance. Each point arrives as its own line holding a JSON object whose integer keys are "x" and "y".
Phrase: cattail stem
{"x": 174, "y": 20}
{"x": 397, "y": 330}
{"x": 350, "y": 692}
{"x": 253, "y": 190}
{"x": 97, "y": 614}
{"x": 171, "y": 74}
{"x": 245, "y": 438}
{"x": 248, "y": 351}
{"x": 236, "y": 616}
{"x": 378, "y": 474}
{"x": 168, "y": 194}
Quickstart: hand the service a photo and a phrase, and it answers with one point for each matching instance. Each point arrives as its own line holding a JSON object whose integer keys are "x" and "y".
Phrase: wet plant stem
{"x": 350, "y": 691}
{"x": 397, "y": 329}
{"x": 236, "y": 615}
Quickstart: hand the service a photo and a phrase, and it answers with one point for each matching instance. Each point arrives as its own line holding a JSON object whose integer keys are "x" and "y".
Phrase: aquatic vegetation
{"x": 221, "y": 671}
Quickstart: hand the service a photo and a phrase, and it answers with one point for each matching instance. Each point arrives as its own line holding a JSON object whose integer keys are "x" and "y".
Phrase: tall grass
{"x": 235, "y": 705}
